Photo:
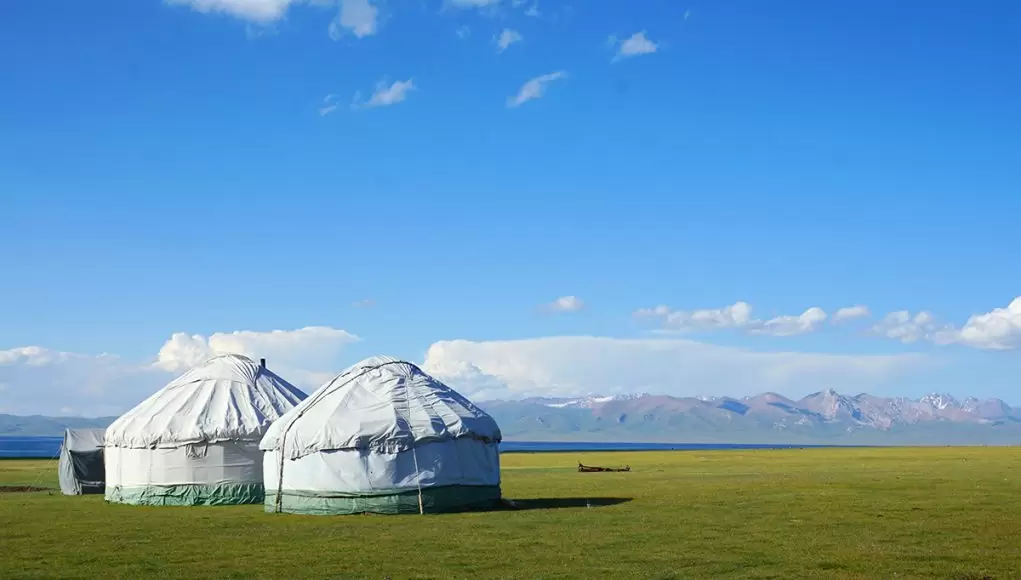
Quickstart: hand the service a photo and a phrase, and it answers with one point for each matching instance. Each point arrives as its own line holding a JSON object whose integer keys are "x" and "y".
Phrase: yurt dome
{"x": 195, "y": 441}
{"x": 382, "y": 437}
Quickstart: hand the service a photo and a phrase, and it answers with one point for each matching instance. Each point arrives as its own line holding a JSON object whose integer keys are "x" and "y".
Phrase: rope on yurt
{"x": 414, "y": 445}
{"x": 418, "y": 478}
{"x": 148, "y": 473}
{"x": 316, "y": 398}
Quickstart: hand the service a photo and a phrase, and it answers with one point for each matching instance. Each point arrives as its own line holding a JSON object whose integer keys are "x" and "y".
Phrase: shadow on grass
{"x": 22, "y": 488}
{"x": 550, "y": 503}
{"x": 547, "y": 503}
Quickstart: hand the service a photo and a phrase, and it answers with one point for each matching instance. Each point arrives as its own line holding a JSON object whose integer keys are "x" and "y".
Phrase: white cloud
{"x": 851, "y": 313}
{"x": 385, "y": 94}
{"x": 329, "y": 105}
{"x": 806, "y": 322}
{"x": 471, "y": 3}
{"x": 260, "y": 11}
{"x": 306, "y": 357}
{"x": 902, "y": 326}
{"x": 463, "y": 32}
{"x": 313, "y": 348}
{"x": 40, "y": 380}
{"x": 466, "y": 377}
{"x": 358, "y": 17}
{"x": 999, "y": 329}
{"x": 735, "y": 316}
{"x": 637, "y": 45}
{"x": 581, "y": 365}
{"x": 566, "y": 304}
{"x": 533, "y": 11}
{"x": 534, "y": 88}
{"x": 506, "y": 38}
{"x": 365, "y": 303}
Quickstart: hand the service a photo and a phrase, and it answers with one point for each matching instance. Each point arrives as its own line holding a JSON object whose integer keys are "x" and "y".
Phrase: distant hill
{"x": 40, "y": 426}
{"x": 826, "y": 417}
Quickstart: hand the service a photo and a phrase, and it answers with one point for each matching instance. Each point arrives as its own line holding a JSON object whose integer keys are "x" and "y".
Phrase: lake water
{"x": 49, "y": 447}
{"x": 30, "y": 446}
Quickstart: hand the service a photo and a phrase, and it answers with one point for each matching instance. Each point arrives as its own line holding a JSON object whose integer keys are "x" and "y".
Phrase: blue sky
{"x": 167, "y": 167}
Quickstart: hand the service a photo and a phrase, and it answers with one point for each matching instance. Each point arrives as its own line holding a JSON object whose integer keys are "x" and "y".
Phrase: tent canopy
{"x": 83, "y": 439}
{"x": 227, "y": 398}
{"x": 383, "y": 404}
{"x": 80, "y": 468}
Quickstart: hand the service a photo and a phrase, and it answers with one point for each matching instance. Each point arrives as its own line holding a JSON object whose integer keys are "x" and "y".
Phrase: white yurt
{"x": 196, "y": 440}
{"x": 382, "y": 437}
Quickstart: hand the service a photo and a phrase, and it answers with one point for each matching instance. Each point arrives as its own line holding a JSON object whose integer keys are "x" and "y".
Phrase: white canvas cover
{"x": 80, "y": 467}
{"x": 380, "y": 429}
{"x": 226, "y": 398}
{"x": 196, "y": 439}
{"x": 383, "y": 404}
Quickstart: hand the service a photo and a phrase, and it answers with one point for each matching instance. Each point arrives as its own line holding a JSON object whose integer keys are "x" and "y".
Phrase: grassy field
{"x": 820, "y": 513}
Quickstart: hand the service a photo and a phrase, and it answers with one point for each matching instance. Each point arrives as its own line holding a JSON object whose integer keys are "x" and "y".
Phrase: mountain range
{"x": 819, "y": 418}
{"x": 822, "y": 417}
{"x": 43, "y": 426}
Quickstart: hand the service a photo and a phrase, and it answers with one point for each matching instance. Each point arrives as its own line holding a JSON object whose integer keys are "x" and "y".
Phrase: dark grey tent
{"x": 81, "y": 469}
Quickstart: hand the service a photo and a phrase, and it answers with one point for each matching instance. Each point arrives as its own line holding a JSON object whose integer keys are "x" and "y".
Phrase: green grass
{"x": 819, "y": 513}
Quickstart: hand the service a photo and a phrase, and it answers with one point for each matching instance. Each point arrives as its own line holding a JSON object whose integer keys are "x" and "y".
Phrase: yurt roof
{"x": 226, "y": 398}
{"x": 381, "y": 403}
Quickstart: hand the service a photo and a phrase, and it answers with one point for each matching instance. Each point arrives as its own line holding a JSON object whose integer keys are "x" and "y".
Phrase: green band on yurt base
{"x": 169, "y": 495}
{"x": 434, "y": 500}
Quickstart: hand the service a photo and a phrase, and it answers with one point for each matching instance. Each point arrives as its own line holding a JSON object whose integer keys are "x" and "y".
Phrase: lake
{"x": 30, "y": 446}
{"x": 49, "y": 447}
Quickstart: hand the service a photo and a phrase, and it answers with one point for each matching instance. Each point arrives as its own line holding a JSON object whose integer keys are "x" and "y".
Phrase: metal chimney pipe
{"x": 262, "y": 362}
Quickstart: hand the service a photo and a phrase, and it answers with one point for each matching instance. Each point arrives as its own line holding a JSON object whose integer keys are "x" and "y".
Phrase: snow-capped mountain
{"x": 825, "y": 406}
{"x": 585, "y": 402}
{"x": 768, "y": 416}
{"x": 588, "y": 402}
{"x": 940, "y": 400}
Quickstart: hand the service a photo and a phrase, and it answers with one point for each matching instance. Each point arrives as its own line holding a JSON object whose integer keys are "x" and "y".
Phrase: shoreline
{"x": 48, "y": 447}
